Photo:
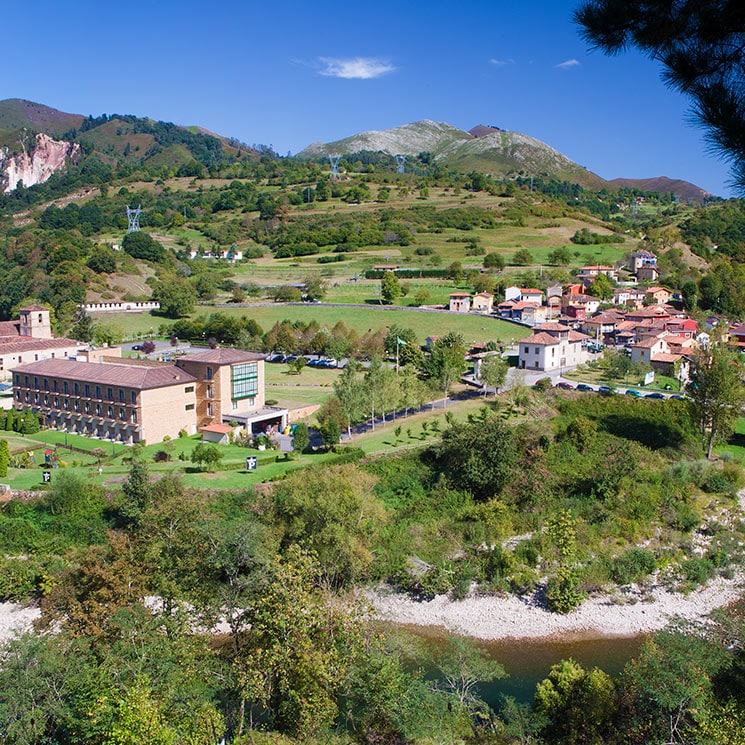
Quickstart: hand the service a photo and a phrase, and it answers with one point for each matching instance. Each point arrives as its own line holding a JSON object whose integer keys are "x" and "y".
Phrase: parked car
{"x": 678, "y": 397}
{"x": 658, "y": 396}
{"x": 584, "y": 387}
{"x": 566, "y": 386}
{"x": 633, "y": 392}
{"x": 605, "y": 390}
{"x": 136, "y": 347}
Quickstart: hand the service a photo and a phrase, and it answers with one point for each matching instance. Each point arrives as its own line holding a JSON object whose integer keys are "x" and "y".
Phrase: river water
{"x": 527, "y": 662}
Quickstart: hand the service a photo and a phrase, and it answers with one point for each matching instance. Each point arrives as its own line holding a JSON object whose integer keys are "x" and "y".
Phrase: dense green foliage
{"x": 293, "y": 658}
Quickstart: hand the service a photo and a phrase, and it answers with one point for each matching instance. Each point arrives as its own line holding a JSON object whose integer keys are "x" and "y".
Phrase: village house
{"x": 478, "y": 359}
{"x": 524, "y": 294}
{"x": 648, "y": 273}
{"x": 644, "y": 314}
{"x": 588, "y": 302}
{"x": 534, "y": 315}
{"x": 552, "y": 346}
{"x": 667, "y": 354}
{"x": 641, "y": 259}
{"x": 602, "y": 326}
{"x": 460, "y": 302}
{"x": 590, "y": 272}
{"x": 628, "y": 296}
{"x": 483, "y": 302}
{"x": 520, "y": 307}
{"x": 736, "y": 336}
{"x": 659, "y": 295}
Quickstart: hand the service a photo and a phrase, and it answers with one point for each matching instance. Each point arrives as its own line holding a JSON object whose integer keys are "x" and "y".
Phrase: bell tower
{"x": 36, "y": 322}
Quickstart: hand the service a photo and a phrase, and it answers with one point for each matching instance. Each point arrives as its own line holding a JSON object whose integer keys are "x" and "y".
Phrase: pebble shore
{"x": 494, "y": 618}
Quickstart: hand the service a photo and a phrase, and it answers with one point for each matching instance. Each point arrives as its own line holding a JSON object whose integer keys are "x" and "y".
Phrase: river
{"x": 527, "y": 662}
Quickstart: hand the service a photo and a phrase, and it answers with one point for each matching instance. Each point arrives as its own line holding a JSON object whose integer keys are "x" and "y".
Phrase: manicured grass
{"x": 473, "y": 327}
{"x": 54, "y": 437}
{"x": 231, "y": 473}
{"x": 311, "y": 386}
{"x": 383, "y": 438}
{"x": 735, "y": 448}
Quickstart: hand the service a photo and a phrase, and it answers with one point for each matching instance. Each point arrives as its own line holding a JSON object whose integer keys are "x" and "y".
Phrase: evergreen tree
{"x": 136, "y": 490}
{"x": 4, "y": 457}
{"x": 700, "y": 45}
{"x": 29, "y": 423}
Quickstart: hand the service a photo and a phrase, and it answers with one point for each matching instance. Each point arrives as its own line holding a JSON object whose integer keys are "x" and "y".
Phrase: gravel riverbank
{"x": 494, "y": 618}
{"x": 16, "y": 618}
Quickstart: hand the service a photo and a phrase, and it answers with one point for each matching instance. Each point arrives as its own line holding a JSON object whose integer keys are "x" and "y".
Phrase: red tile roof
{"x": 223, "y": 356}
{"x": 543, "y": 338}
{"x": 220, "y": 429}
{"x": 131, "y": 376}
{"x": 666, "y": 357}
{"x": 27, "y": 343}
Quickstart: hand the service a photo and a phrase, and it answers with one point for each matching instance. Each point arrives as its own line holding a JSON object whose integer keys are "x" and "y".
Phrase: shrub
{"x": 562, "y": 595}
{"x": 633, "y": 565}
{"x": 697, "y": 570}
{"x": 18, "y": 579}
{"x": 528, "y": 552}
{"x": 543, "y": 384}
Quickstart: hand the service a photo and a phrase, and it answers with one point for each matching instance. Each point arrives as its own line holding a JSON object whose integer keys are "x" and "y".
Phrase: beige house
{"x": 483, "y": 302}
{"x": 552, "y": 346}
{"x": 668, "y": 354}
{"x": 659, "y": 295}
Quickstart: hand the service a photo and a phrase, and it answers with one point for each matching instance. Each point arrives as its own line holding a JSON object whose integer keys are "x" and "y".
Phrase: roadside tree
{"x": 716, "y": 394}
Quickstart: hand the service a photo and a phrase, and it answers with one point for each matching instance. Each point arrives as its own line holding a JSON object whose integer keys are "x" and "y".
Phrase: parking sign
{"x": 252, "y": 463}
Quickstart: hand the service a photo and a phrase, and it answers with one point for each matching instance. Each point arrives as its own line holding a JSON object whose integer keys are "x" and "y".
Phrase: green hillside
{"x": 17, "y": 113}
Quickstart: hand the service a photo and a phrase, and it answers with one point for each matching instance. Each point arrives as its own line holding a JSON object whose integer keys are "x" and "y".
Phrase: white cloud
{"x": 501, "y": 62}
{"x": 359, "y": 68}
{"x": 567, "y": 64}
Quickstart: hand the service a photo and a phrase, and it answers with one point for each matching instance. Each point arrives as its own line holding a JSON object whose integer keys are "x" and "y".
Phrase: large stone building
{"x": 30, "y": 339}
{"x": 138, "y": 400}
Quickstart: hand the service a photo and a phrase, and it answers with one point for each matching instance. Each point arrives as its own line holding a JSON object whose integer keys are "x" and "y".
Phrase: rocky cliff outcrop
{"x": 39, "y": 157}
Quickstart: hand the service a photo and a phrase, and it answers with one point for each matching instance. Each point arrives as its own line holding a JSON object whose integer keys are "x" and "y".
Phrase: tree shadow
{"x": 654, "y": 434}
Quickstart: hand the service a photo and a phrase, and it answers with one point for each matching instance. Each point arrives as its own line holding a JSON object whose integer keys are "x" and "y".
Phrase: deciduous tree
{"x": 716, "y": 394}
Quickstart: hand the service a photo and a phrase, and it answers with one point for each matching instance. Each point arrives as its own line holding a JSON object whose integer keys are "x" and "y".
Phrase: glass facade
{"x": 244, "y": 380}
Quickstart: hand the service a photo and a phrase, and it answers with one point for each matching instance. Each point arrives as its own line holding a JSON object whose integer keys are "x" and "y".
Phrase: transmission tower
{"x": 334, "y": 160}
{"x": 401, "y": 163}
{"x": 133, "y": 215}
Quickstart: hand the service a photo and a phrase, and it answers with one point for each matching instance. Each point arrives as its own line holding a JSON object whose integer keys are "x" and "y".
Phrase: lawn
{"x": 735, "y": 448}
{"x": 231, "y": 474}
{"x": 311, "y": 386}
{"x": 473, "y": 327}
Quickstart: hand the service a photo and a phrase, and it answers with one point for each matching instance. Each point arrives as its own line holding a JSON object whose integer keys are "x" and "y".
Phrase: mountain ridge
{"x": 138, "y": 140}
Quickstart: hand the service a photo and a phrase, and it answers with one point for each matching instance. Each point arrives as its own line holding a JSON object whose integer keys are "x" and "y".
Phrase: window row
{"x": 86, "y": 389}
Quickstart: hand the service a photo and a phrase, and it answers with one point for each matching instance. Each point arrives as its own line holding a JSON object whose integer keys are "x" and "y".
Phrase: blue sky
{"x": 291, "y": 73}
